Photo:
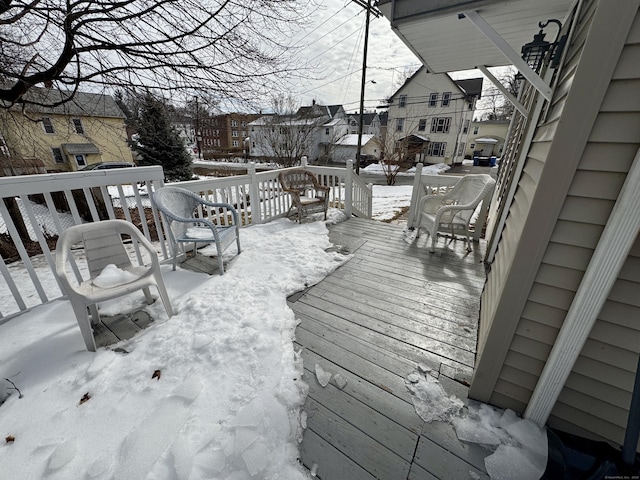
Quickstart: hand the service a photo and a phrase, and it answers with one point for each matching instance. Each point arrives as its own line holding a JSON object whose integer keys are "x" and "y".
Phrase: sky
{"x": 335, "y": 41}
{"x": 214, "y": 392}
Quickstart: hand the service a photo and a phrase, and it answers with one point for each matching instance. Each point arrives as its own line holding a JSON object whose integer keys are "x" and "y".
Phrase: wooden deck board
{"x": 391, "y": 307}
{"x": 113, "y": 329}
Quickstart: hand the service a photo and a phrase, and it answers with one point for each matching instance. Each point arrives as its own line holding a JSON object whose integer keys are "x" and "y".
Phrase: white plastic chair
{"x": 179, "y": 206}
{"x": 453, "y": 210}
{"x": 103, "y": 245}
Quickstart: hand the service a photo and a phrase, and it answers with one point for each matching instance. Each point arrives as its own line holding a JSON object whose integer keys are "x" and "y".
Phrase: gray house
{"x": 560, "y": 314}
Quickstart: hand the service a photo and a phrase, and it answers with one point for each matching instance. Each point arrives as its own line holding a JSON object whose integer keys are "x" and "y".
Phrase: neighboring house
{"x": 223, "y": 136}
{"x": 430, "y": 115}
{"x": 370, "y": 123}
{"x": 347, "y": 147}
{"x": 559, "y": 332}
{"x": 311, "y": 131}
{"x": 87, "y": 129}
{"x": 486, "y": 138}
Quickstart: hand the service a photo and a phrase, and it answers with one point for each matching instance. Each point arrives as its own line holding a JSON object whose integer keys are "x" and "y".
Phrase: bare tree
{"x": 290, "y": 132}
{"x": 227, "y": 48}
{"x": 394, "y": 151}
{"x": 494, "y": 105}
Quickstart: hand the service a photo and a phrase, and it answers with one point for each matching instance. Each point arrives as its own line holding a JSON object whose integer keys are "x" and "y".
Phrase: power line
{"x": 317, "y": 27}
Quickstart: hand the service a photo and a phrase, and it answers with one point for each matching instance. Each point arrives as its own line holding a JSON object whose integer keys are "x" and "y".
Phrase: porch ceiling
{"x": 446, "y": 43}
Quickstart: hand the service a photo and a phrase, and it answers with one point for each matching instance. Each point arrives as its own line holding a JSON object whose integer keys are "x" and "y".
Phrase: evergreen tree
{"x": 158, "y": 143}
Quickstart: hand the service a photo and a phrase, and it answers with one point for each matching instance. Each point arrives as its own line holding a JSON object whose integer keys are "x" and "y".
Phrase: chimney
{"x": 313, "y": 102}
{"x": 48, "y": 84}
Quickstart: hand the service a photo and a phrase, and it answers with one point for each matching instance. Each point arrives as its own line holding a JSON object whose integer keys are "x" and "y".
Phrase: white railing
{"x": 440, "y": 184}
{"x": 34, "y": 209}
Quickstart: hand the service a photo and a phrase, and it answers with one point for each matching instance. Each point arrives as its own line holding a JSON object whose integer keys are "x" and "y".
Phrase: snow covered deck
{"x": 392, "y": 310}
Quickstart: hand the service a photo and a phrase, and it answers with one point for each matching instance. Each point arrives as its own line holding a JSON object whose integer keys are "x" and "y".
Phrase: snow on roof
{"x": 352, "y": 140}
{"x": 485, "y": 140}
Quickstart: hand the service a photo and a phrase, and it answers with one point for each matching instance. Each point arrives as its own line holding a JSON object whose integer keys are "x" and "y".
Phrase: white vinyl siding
{"x": 595, "y": 399}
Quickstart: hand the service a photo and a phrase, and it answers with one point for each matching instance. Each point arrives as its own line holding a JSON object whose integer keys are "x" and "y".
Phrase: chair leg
{"x": 220, "y": 262}
{"x": 164, "y": 296}
{"x": 80, "y": 311}
{"x": 434, "y": 236}
{"x": 147, "y": 295}
{"x": 95, "y": 315}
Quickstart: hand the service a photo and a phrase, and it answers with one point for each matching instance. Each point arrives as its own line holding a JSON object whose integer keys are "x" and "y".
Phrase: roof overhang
{"x": 485, "y": 140}
{"x": 80, "y": 148}
{"x": 444, "y": 42}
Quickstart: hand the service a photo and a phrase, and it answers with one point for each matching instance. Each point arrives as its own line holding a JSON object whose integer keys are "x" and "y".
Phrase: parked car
{"x": 108, "y": 165}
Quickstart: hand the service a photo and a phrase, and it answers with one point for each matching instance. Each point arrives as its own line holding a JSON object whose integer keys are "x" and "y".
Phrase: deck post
{"x": 415, "y": 195}
{"x": 348, "y": 189}
{"x": 254, "y": 194}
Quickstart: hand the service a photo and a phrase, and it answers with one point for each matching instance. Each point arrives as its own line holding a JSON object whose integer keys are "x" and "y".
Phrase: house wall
{"x": 25, "y": 136}
{"x": 343, "y": 153}
{"x": 417, "y": 90}
{"x": 493, "y": 129}
{"x": 575, "y": 167}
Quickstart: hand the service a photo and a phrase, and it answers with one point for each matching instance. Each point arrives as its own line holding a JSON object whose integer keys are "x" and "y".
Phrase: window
{"x": 47, "y": 125}
{"x": 399, "y": 124}
{"x": 77, "y": 125}
{"x": 472, "y": 146}
{"x": 235, "y": 143}
{"x": 465, "y": 129}
{"x": 234, "y": 123}
{"x": 326, "y": 131}
{"x": 422, "y": 125}
{"x": 243, "y": 123}
{"x": 475, "y": 130}
{"x": 57, "y": 155}
{"x": 461, "y": 148}
{"x": 234, "y": 133}
{"x": 446, "y": 99}
{"x": 243, "y": 133}
{"x": 440, "y": 124}
{"x": 433, "y": 100}
{"x": 81, "y": 161}
{"x": 436, "y": 149}
{"x": 402, "y": 101}
{"x": 253, "y": 129}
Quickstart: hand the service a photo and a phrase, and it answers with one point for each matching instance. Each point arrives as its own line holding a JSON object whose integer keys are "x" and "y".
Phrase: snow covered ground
{"x": 213, "y": 392}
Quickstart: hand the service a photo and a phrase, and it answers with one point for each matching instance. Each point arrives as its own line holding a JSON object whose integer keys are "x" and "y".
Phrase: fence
{"x": 35, "y": 208}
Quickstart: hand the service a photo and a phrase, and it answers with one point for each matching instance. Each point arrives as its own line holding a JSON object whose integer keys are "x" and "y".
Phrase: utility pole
{"x": 363, "y": 80}
{"x": 198, "y": 134}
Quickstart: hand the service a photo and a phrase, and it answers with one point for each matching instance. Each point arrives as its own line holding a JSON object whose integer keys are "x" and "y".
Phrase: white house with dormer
{"x": 430, "y": 116}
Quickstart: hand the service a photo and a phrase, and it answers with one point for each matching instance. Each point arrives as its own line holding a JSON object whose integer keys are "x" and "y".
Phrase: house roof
{"x": 333, "y": 109}
{"x": 471, "y": 86}
{"x": 444, "y": 42}
{"x": 351, "y": 140}
{"x": 82, "y": 103}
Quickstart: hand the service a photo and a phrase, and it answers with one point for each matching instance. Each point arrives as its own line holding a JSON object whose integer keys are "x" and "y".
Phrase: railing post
{"x": 304, "y": 161}
{"x": 348, "y": 189}
{"x": 370, "y": 207}
{"x": 415, "y": 195}
{"x": 254, "y": 194}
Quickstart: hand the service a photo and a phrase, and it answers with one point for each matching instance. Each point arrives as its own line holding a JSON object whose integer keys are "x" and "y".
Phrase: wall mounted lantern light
{"x": 536, "y": 51}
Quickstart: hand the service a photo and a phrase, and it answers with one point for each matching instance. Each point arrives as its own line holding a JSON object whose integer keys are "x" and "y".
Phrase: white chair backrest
{"x": 471, "y": 189}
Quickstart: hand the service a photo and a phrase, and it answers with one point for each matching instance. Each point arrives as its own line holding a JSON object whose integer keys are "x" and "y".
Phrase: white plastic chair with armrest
{"x": 103, "y": 245}
{"x": 453, "y": 210}
{"x": 178, "y": 206}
